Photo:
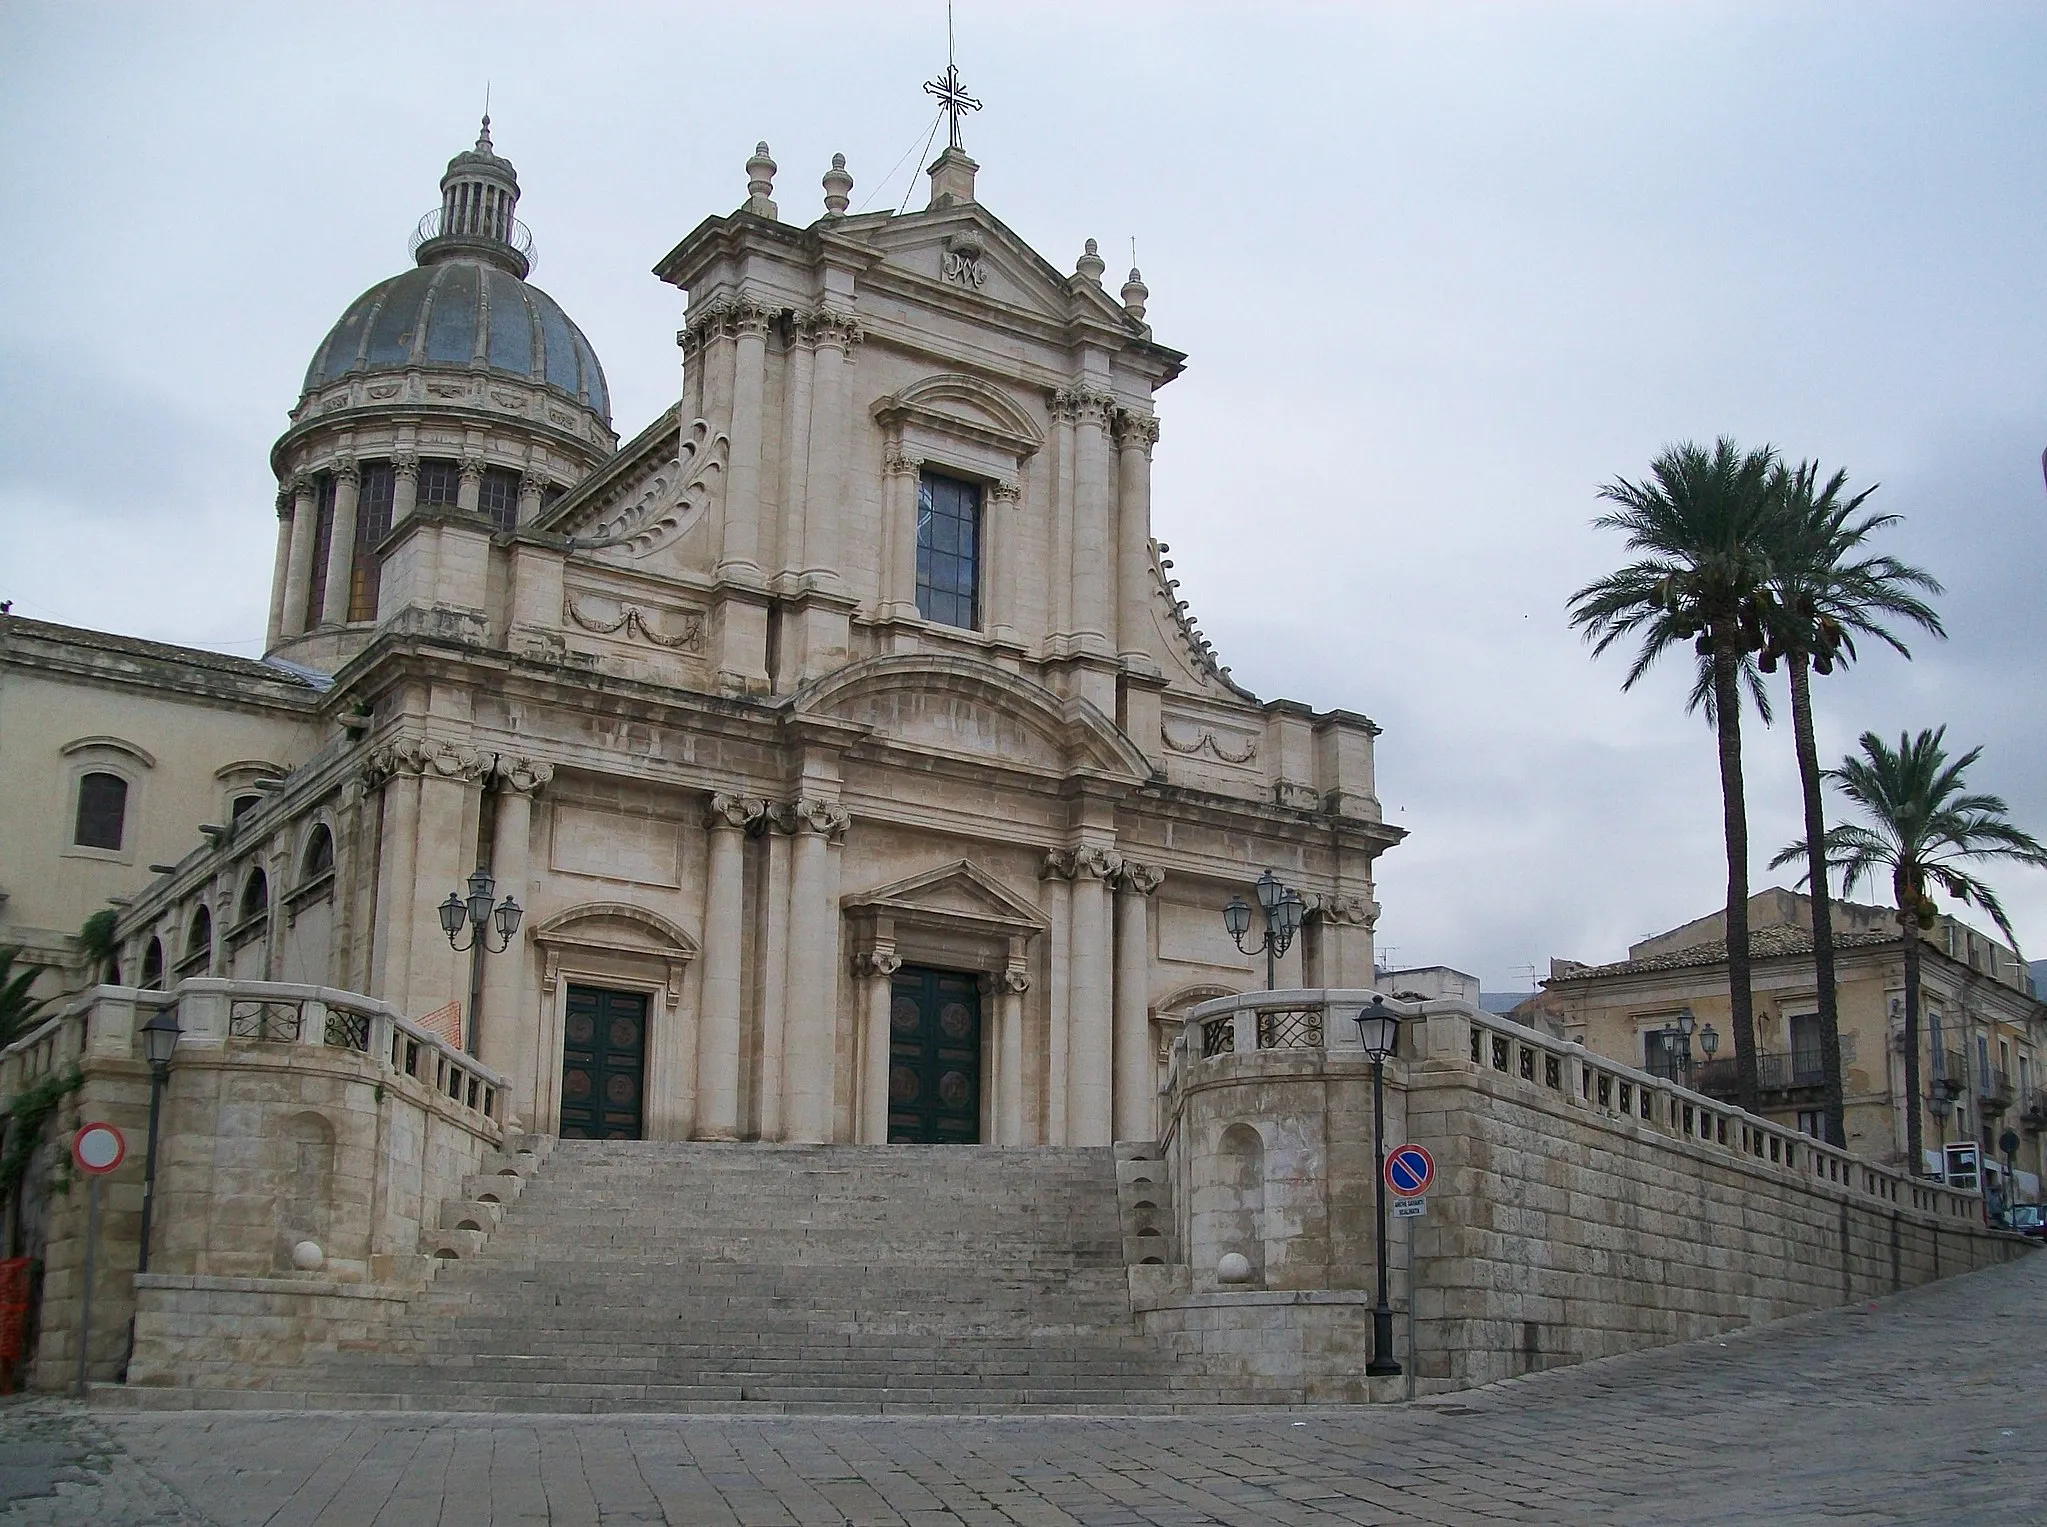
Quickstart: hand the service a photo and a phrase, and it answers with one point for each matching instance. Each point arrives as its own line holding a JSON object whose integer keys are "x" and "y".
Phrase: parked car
{"x": 2028, "y": 1219}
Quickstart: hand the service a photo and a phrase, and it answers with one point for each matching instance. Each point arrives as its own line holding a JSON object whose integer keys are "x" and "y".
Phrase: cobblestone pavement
{"x": 1930, "y": 1407}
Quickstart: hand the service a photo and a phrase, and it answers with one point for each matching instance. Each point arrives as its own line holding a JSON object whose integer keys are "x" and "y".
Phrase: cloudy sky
{"x": 1441, "y": 272}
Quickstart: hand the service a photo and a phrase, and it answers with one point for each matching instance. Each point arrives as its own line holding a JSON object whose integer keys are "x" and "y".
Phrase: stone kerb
{"x": 1582, "y": 1207}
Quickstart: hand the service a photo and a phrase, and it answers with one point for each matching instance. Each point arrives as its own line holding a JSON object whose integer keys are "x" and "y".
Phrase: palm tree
{"x": 1827, "y": 591}
{"x": 1708, "y": 522}
{"x": 17, "y": 1008}
{"x": 1924, "y": 827}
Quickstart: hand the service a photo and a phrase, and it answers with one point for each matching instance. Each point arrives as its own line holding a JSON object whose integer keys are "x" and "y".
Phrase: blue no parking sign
{"x": 1409, "y": 1171}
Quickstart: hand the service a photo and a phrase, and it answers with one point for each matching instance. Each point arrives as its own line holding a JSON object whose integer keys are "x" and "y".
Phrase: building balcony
{"x": 1994, "y": 1091}
{"x": 2033, "y": 1111}
{"x": 1776, "y": 1071}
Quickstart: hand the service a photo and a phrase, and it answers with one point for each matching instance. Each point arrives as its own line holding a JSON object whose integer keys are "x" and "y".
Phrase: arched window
{"x": 102, "y": 811}
{"x": 152, "y": 965}
{"x": 198, "y": 958}
{"x": 242, "y": 806}
{"x": 255, "y": 895}
{"x": 319, "y": 855}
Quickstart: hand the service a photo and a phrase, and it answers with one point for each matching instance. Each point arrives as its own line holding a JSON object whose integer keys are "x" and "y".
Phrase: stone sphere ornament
{"x": 1234, "y": 1267}
{"x": 308, "y": 1257}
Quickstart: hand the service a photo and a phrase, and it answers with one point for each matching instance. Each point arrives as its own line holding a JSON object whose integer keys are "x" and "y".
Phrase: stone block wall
{"x": 1580, "y": 1209}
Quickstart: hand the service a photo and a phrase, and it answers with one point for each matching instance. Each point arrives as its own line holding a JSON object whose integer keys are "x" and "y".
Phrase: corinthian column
{"x": 808, "y": 1030}
{"x": 1091, "y": 549}
{"x": 1090, "y": 1061}
{"x": 1135, "y": 436}
{"x": 875, "y": 970}
{"x": 341, "y": 543}
{"x": 835, "y": 335}
{"x": 1135, "y": 1074}
{"x": 717, "y": 1079}
{"x": 739, "y": 558}
{"x": 899, "y": 534}
{"x": 280, "y": 572}
{"x": 799, "y": 368}
{"x": 508, "y": 1028}
{"x": 298, "y": 571}
{"x": 1058, "y": 877}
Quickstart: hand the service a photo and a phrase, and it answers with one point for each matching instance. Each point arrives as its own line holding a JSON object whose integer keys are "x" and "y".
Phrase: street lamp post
{"x": 1940, "y": 1104}
{"x": 1379, "y": 1031}
{"x": 1687, "y": 1023}
{"x": 159, "y": 1042}
{"x": 475, "y": 911}
{"x": 1709, "y": 1041}
{"x": 1283, "y": 910}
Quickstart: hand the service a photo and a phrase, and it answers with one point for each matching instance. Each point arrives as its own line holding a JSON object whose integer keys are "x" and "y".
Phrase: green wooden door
{"x": 934, "y": 1055}
{"x": 604, "y": 1063}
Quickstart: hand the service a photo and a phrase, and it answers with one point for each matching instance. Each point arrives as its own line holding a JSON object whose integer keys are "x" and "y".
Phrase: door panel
{"x": 934, "y": 1079}
{"x": 604, "y": 1055}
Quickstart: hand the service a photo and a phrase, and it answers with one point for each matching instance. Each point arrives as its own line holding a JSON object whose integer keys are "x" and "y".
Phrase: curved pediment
{"x": 956, "y": 403}
{"x": 975, "y": 711}
{"x": 617, "y": 926}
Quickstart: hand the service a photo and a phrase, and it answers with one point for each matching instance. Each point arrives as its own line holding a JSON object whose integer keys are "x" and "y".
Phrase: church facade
{"x": 853, "y": 766}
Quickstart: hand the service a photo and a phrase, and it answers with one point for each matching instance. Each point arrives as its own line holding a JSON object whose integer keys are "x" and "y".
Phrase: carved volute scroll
{"x": 670, "y": 501}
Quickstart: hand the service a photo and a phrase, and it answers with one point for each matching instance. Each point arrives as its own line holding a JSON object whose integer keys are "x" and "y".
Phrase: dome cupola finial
{"x": 479, "y": 195}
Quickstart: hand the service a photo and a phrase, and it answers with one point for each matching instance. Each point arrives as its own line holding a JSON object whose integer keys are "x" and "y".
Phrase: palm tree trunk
{"x": 1822, "y": 900}
{"x": 1734, "y": 812}
{"x": 1915, "y": 1127}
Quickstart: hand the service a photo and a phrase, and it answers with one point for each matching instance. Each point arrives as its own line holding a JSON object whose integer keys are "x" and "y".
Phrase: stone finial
{"x": 1134, "y": 294}
{"x": 952, "y": 178}
{"x": 760, "y": 182}
{"x": 1090, "y": 264}
{"x": 838, "y": 186}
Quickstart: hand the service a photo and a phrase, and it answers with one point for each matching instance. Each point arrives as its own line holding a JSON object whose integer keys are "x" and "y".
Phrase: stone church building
{"x": 856, "y": 770}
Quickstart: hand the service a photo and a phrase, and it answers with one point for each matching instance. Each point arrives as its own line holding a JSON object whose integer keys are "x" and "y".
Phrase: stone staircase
{"x": 658, "y": 1277}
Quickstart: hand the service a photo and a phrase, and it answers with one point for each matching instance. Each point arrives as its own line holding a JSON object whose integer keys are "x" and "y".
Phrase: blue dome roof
{"x": 458, "y": 312}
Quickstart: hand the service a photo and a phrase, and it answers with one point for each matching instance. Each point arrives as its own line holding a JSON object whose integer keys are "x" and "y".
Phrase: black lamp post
{"x": 475, "y": 910}
{"x": 1941, "y": 1102}
{"x": 1283, "y": 909}
{"x": 159, "y": 1042}
{"x": 1709, "y": 1041}
{"x": 1379, "y": 1030}
{"x": 1687, "y": 1023}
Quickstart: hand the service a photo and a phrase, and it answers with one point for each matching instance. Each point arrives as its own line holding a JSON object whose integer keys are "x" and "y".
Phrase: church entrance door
{"x": 934, "y": 1058}
{"x": 604, "y": 1058}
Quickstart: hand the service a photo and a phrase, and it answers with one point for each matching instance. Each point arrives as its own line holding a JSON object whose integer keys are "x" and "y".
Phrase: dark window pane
{"x": 323, "y": 539}
{"x": 319, "y": 853}
{"x": 244, "y": 804}
{"x": 152, "y": 964}
{"x": 102, "y": 811}
{"x": 948, "y": 550}
{"x": 255, "y": 895}
{"x": 440, "y": 482}
{"x": 372, "y": 524}
{"x": 198, "y": 941}
{"x": 500, "y": 497}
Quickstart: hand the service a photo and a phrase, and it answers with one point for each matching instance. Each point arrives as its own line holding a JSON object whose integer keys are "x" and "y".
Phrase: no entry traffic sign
{"x": 1409, "y": 1171}
{"x": 98, "y": 1148}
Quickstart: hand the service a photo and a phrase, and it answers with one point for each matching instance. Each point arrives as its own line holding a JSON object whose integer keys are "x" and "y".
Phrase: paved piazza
{"x": 1929, "y": 1407}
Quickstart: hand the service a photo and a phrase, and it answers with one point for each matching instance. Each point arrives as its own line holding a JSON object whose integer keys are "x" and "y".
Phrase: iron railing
{"x": 1776, "y": 1070}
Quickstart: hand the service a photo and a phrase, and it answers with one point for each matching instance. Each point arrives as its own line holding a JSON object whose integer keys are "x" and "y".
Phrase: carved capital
{"x": 454, "y": 760}
{"x": 346, "y": 469}
{"x": 1139, "y": 879}
{"x": 1058, "y": 865}
{"x": 472, "y": 469}
{"x": 813, "y": 814}
{"x": 828, "y": 326}
{"x": 405, "y": 464}
{"x": 895, "y": 462}
{"x": 1016, "y": 979}
{"x": 286, "y": 501}
{"x": 1007, "y": 492}
{"x": 522, "y": 776}
{"x": 1097, "y": 864}
{"x": 302, "y": 485}
{"x": 1136, "y": 431}
{"x": 877, "y": 963}
{"x": 1082, "y": 405}
{"x": 733, "y": 813}
{"x": 1356, "y": 911}
{"x": 742, "y": 316}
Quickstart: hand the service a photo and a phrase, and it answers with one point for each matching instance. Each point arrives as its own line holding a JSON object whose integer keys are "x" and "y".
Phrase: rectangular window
{"x": 102, "y": 811}
{"x": 372, "y": 524}
{"x": 1811, "y": 1122}
{"x": 440, "y": 482}
{"x": 1806, "y": 1069}
{"x": 1663, "y": 1053}
{"x": 499, "y": 499}
{"x": 948, "y": 551}
{"x": 323, "y": 540}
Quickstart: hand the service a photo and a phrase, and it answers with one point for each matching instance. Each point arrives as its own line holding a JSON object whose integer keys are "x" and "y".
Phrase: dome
{"x": 468, "y": 303}
{"x": 461, "y": 312}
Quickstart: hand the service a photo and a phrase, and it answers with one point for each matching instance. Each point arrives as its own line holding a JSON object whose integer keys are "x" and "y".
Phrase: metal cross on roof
{"x": 952, "y": 98}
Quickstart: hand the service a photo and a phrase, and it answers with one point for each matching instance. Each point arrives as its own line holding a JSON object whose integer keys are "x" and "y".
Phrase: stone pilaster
{"x": 1090, "y": 1015}
{"x": 508, "y": 1027}
{"x": 1057, "y": 873}
{"x": 1000, "y": 537}
{"x": 1092, "y": 552}
{"x": 1009, "y": 1079}
{"x": 874, "y": 969}
{"x": 404, "y": 485}
{"x": 899, "y": 534}
{"x": 1136, "y": 434}
{"x": 835, "y": 336}
{"x": 812, "y": 996}
{"x": 1135, "y": 1073}
{"x": 726, "y": 820}
{"x": 298, "y": 573}
{"x": 280, "y": 571}
{"x": 341, "y": 543}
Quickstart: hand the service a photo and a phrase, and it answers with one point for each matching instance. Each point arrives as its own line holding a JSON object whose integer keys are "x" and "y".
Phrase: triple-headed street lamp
{"x": 1284, "y": 911}
{"x": 476, "y": 912}
{"x": 1379, "y": 1031}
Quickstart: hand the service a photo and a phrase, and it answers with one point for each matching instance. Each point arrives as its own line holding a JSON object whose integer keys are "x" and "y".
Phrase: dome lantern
{"x": 479, "y": 195}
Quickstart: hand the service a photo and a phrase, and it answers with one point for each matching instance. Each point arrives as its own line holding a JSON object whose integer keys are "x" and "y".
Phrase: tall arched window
{"x": 198, "y": 960}
{"x": 152, "y": 965}
{"x": 102, "y": 811}
{"x": 255, "y": 896}
{"x": 319, "y": 855}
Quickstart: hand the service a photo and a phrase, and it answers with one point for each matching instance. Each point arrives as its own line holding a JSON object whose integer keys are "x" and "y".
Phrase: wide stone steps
{"x": 653, "y": 1276}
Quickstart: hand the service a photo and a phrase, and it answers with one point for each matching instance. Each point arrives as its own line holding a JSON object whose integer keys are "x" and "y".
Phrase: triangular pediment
{"x": 960, "y": 892}
{"x": 969, "y": 252}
